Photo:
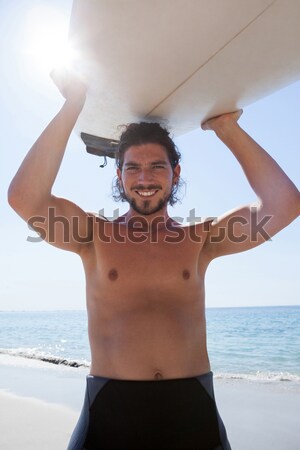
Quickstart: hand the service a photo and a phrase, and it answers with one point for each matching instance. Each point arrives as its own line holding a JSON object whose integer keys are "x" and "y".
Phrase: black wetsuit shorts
{"x": 155, "y": 414}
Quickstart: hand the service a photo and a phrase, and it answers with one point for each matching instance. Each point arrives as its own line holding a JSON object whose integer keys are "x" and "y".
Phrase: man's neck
{"x": 157, "y": 220}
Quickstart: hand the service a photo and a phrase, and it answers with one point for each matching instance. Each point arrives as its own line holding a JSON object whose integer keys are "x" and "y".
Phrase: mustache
{"x": 149, "y": 187}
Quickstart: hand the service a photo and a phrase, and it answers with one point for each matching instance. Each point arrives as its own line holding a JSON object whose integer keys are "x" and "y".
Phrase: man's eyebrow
{"x": 159, "y": 161}
{"x": 131, "y": 163}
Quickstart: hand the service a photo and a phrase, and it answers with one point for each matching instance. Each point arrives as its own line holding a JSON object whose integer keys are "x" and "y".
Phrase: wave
{"x": 34, "y": 354}
{"x": 41, "y": 356}
{"x": 259, "y": 376}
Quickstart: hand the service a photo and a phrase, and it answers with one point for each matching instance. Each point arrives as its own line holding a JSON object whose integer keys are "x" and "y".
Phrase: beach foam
{"x": 33, "y": 358}
{"x": 34, "y": 354}
{"x": 259, "y": 376}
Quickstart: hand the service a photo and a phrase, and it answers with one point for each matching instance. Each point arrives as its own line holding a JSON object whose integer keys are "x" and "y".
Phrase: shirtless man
{"x": 150, "y": 384}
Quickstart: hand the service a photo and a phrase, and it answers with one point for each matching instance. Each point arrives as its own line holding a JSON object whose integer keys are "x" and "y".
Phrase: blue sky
{"x": 39, "y": 276}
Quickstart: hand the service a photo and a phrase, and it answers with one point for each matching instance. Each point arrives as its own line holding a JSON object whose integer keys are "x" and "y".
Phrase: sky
{"x": 37, "y": 276}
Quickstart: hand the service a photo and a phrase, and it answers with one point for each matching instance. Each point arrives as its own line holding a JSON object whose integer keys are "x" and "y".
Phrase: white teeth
{"x": 146, "y": 193}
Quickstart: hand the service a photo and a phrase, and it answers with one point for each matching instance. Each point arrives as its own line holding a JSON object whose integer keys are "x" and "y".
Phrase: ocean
{"x": 256, "y": 343}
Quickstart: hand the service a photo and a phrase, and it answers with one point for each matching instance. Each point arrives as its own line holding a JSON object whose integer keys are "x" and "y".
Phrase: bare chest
{"x": 145, "y": 267}
{"x": 152, "y": 257}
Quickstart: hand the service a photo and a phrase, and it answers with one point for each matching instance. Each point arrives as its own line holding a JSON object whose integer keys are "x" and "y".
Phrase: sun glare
{"x": 46, "y": 39}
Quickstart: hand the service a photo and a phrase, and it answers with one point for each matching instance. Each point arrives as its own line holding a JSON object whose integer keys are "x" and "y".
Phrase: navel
{"x": 158, "y": 375}
{"x": 186, "y": 274}
{"x": 113, "y": 274}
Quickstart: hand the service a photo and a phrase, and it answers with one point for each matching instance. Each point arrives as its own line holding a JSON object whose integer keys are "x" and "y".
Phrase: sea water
{"x": 260, "y": 343}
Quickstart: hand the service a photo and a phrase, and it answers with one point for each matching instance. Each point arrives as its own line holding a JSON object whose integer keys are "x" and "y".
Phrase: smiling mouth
{"x": 145, "y": 193}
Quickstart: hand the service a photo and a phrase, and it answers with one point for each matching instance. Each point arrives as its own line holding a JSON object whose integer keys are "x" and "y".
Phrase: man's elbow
{"x": 291, "y": 207}
{"x": 297, "y": 205}
{"x": 13, "y": 197}
{"x": 293, "y": 202}
{"x": 16, "y": 198}
{"x": 286, "y": 203}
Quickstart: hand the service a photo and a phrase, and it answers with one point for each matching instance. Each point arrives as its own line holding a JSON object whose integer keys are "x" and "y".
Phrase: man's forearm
{"x": 272, "y": 186}
{"x": 34, "y": 180}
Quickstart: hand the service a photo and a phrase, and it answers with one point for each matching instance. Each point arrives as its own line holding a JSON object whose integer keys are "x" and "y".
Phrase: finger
{"x": 204, "y": 125}
{"x": 241, "y": 111}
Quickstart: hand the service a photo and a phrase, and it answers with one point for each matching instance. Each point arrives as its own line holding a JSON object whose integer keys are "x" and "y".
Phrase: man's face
{"x": 147, "y": 178}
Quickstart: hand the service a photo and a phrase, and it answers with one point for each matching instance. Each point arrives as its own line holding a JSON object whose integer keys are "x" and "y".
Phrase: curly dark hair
{"x": 146, "y": 133}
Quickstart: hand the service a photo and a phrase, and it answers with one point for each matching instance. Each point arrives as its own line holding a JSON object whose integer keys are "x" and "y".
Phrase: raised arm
{"x": 278, "y": 199}
{"x": 30, "y": 193}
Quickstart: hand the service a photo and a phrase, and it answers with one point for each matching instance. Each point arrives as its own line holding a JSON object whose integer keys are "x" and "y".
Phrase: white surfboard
{"x": 181, "y": 60}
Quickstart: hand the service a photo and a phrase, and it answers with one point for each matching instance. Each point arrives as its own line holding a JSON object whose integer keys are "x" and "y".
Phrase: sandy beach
{"x": 28, "y": 423}
{"x": 40, "y": 404}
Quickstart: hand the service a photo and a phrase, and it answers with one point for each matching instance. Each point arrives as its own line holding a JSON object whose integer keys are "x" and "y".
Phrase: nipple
{"x": 113, "y": 274}
{"x": 186, "y": 274}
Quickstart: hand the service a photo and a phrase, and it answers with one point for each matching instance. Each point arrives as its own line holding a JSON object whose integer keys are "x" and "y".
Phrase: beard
{"x": 146, "y": 209}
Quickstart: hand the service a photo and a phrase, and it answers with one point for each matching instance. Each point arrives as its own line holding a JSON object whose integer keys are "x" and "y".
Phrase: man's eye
{"x": 131, "y": 168}
{"x": 158, "y": 166}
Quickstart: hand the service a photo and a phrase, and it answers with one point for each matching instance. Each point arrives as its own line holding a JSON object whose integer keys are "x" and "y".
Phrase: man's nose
{"x": 145, "y": 175}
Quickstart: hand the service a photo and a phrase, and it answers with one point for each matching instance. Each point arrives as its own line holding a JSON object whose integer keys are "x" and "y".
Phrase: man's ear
{"x": 176, "y": 173}
{"x": 119, "y": 175}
